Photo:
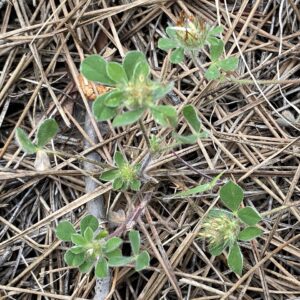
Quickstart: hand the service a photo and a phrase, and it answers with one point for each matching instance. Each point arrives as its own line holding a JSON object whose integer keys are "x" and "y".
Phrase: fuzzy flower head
{"x": 191, "y": 32}
{"x": 221, "y": 229}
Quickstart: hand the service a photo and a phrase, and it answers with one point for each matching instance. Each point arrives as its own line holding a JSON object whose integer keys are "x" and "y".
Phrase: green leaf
{"x": 231, "y": 195}
{"x": 216, "y": 49}
{"x": 46, "y": 131}
{"x": 217, "y": 250}
{"x": 24, "y": 142}
{"x": 118, "y": 261}
{"x": 116, "y": 72}
{"x": 216, "y": 30}
{"x": 102, "y": 234}
{"x": 110, "y": 175}
{"x": 117, "y": 184}
{"x": 119, "y": 159}
{"x": 249, "y": 233}
{"x": 130, "y": 61}
{"x": 185, "y": 139}
{"x": 89, "y": 221}
{"x": 93, "y": 68}
{"x": 72, "y": 259}
{"x": 135, "y": 241}
{"x": 128, "y": 117}
{"x": 86, "y": 266}
{"x": 218, "y": 212}
{"x": 235, "y": 259}
{"x": 135, "y": 185}
{"x": 141, "y": 72}
{"x": 167, "y": 44}
{"x": 115, "y": 253}
{"x": 112, "y": 244}
{"x": 177, "y": 56}
{"x": 161, "y": 90}
{"x": 212, "y": 72}
{"x": 171, "y": 32}
{"x": 202, "y": 135}
{"x": 78, "y": 239}
{"x": 88, "y": 234}
{"x": 142, "y": 261}
{"x": 101, "y": 111}
{"x": 101, "y": 269}
{"x": 64, "y": 231}
{"x": 198, "y": 189}
{"x": 77, "y": 249}
{"x": 191, "y": 116}
{"x": 229, "y": 64}
{"x": 249, "y": 215}
{"x": 114, "y": 98}
{"x": 165, "y": 115}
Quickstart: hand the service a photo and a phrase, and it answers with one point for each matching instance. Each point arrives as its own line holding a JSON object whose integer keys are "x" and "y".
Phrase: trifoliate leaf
{"x": 235, "y": 259}
{"x": 177, "y": 56}
{"x": 135, "y": 241}
{"x": 249, "y": 215}
{"x": 101, "y": 269}
{"x": 249, "y": 233}
{"x": 89, "y": 221}
{"x": 128, "y": 117}
{"x": 93, "y": 68}
{"x": 231, "y": 195}
{"x": 116, "y": 72}
{"x": 64, "y": 231}
{"x": 191, "y": 116}
{"x": 112, "y": 244}
{"x": 167, "y": 44}
{"x": 142, "y": 261}
{"x": 131, "y": 60}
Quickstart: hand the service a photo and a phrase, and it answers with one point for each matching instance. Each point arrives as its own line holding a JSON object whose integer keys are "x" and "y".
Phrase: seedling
{"x": 93, "y": 247}
{"x": 190, "y": 36}
{"x": 46, "y": 131}
{"x": 123, "y": 175}
{"x": 132, "y": 93}
{"x": 192, "y": 119}
{"x": 217, "y": 64}
{"x": 224, "y": 228}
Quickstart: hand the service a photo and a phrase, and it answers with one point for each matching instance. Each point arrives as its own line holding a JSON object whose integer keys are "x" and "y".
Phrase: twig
{"x": 96, "y": 206}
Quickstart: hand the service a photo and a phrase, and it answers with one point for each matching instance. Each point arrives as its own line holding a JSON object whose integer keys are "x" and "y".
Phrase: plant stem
{"x": 144, "y": 131}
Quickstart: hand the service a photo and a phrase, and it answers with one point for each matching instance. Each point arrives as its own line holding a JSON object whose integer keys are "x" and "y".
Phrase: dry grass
{"x": 254, "y": 127}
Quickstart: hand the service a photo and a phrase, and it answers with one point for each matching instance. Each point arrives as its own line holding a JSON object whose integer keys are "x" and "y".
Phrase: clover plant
{"x": 45, "y": 132}
{"x": 190, "y": 36}
{"x": 132, "y": 93}
{"x": 225, "y": 228}
{"x": 124, "y": 175}
{"x": 93, "y": 247}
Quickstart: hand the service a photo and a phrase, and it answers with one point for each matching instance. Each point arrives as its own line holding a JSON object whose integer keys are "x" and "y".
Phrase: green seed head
{"x": 128, "y": 173}
{"x": 220, "y": 229}
{"x": 138, "y": 95}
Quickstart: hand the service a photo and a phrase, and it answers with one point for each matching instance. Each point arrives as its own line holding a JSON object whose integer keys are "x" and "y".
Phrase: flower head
{"x": 191, "y": 32}
{"x": 221, "y": 229}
